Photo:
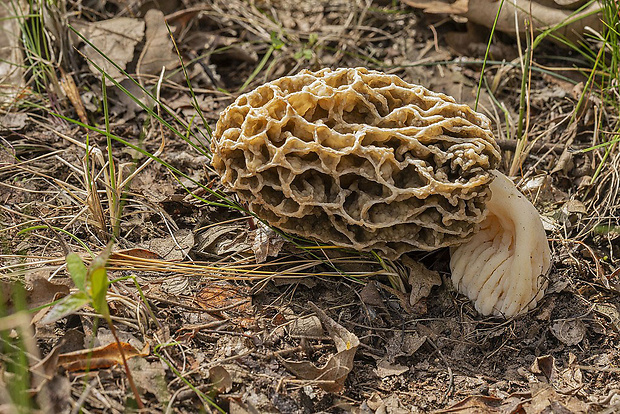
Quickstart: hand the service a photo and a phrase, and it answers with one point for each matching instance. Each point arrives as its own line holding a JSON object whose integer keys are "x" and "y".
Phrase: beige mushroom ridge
{"x": 503, "y": 267}
{"x": 358, "y": 158}
{"x": 364, "y": 160}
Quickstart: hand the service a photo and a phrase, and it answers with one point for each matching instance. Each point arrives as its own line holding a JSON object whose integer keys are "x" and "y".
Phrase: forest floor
{"x": 216, "y": 312}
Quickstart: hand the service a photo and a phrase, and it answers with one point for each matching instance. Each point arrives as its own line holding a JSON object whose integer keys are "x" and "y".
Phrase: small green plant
{"x": 307, "y": 51}
{"x": 92, "y": 287}
{"x": 15, "y": 375}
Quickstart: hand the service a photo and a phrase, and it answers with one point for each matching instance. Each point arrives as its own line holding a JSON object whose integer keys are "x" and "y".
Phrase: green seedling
{"x": 92, "y": 284}
{"x": 306, "y": 52}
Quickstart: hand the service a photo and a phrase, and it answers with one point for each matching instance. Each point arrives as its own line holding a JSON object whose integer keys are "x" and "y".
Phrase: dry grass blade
{"x": 242, "y": 271}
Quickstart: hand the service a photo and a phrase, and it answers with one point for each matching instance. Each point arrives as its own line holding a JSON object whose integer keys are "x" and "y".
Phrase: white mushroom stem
{"x": 503, "y": 267}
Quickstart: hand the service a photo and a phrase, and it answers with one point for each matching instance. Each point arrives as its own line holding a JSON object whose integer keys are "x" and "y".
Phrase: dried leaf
{"x": 546, "y": 400}
{"x": 174, "y": 247}
{"x": 407, "y": 345}
{"x": 370, "y": 295}
{"x": 309, "y": 326}
{"x": 13, "y": 121}
{"x": 176, "y": 285}
{"x": 41, "y": 291}
{"x": 420, "y": 279}
{"x": 158, "y": 48}
{"x": 100, "y": 357}
{"x": 266, "y": 243}
{"x": 391, "y": 404}
{"x": 236, "y": 301}
{"x": 386, "y": 369}
{"x": 610, "y": 311}
{"x": 569, "y": 332}
{"x": 478, "y": 404}
{"x": 224, "y": 239}
{"x": 571, "y": 376}
{"x": 138, "y": 253}
{"x": 150, "y": 376}
{"x": 544, "y": 365}
{"x": 332, "y": 375}
{"x": 220, "y": 379}
{"x": 116, "y": 39}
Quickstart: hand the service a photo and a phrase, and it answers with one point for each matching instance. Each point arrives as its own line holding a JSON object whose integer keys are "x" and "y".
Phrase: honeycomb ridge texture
{"x": 358, "y": 158}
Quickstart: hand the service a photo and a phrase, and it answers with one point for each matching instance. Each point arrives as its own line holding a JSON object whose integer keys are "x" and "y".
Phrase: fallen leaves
{"x": 266, "y": 243}
{"x": 158, "y": 48}
{"x": 331, "y": 376}
{"x": 151, "y": 377}
{"x": 386, "y": 369}
{"x": 116, "y": 39}
{"x": 226, "y": 300}
{"x": 570, "y": 332}
{"x": 542, "y": 398}
{"x": 420, "y": 279}
{"x": 100, "y": 357}
{"x": 41, "y": 291}
{"x": 220, "y": 295}
{"x": 173, "y": 247}
{"x": 479, "y": 404}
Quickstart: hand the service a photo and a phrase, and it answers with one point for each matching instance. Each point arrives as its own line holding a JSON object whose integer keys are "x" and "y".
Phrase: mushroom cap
{"x": 503, "y": 267}
{"x": 358, "y": 158}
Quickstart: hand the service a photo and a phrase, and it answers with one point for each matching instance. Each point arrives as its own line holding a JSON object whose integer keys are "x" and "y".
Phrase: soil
{"x": 200, "y": 335}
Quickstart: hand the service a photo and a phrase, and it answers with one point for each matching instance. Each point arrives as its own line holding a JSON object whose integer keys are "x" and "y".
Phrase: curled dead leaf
{"x": 307, "y": 327}
{"x": 100, "y": 357}
{"x": 544, "y": 365}
{"x": 570, "y": 332}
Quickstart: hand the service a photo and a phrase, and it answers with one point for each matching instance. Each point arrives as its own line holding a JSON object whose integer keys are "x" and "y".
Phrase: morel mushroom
{"x": 360, "y": 159}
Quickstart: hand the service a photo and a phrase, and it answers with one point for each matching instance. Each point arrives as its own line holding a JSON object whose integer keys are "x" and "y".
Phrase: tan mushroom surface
{"x": 358, "y": 158}
{"x": 365, "y": 160}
